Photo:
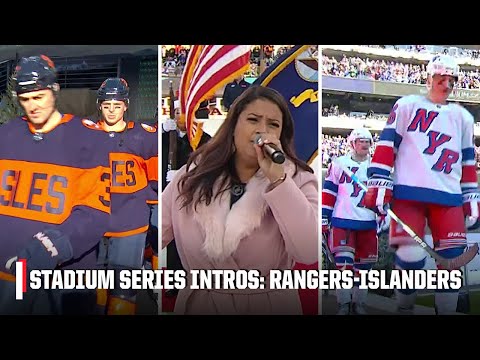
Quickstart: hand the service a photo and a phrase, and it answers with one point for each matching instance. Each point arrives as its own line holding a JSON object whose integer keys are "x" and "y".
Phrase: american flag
{"x": 208, "y": 68}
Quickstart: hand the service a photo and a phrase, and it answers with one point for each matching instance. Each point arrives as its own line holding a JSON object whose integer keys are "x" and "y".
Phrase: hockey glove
{"x": 471, "y": 199}
{"x": 379, "y": 194}
{"x": 169, "y": 125}
{"x": 46, "y": 250}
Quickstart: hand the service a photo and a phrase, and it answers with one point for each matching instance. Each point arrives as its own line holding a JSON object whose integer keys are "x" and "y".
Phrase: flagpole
{"x": 172, "y": 144}
{"x": 262, "y": 60}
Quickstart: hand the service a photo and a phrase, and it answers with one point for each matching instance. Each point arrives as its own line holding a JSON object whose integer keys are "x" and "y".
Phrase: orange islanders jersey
{"x": 134, "y": 177}
{"x": 59, "y": 179}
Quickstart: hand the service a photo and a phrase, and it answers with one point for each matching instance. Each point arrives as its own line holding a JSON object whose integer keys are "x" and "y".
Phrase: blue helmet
{"x": 35, "y": 73}
{"x": 113, "y": 89}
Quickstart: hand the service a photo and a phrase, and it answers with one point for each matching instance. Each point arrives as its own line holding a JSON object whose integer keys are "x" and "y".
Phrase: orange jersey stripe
{"x": 47, "y": 192}
{"x": 127, "y": 233}
{"x": 7, "y": 277}
{"x": 65, "y": 118}
{"x": 152, "y": 168}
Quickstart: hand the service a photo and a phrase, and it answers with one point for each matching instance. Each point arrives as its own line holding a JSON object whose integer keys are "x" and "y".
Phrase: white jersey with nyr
{"x": 342, "y": 198}
{"x": 430, "y": 149}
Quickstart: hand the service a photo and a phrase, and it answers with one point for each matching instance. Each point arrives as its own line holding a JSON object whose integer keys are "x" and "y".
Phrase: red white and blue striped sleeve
{"x": 468, "y": 181}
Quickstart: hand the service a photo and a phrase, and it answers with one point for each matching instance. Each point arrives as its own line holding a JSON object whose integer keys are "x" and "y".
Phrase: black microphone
{"x": 271, "y": 150}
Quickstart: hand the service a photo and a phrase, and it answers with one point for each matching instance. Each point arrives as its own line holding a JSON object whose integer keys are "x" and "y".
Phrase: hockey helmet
{"x": 443, "y": 65}
{"x": 360, "y": 133}
{"x": 113, "y": 89}
{"x": 35, "y": 73}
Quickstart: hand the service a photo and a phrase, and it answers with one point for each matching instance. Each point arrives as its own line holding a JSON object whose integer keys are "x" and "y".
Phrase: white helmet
{"x": 443, "y": 65}
{"x": 360, "y": 133}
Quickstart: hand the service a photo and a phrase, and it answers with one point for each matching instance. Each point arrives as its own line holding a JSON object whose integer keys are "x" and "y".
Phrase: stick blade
{"x": 327, "y": 252}
{"x": 462, "y": 260}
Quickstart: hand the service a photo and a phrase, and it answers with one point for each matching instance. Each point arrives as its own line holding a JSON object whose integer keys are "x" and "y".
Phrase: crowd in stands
{"x": 175, "y": 57}
{"x": 454, "y": 51}
{"x": 385, "y": 70}
{"x": 272, "y": 53}
{"x": 370, "y": 114}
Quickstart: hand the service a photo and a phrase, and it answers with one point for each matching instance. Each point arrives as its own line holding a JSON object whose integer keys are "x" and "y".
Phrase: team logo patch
{"x": 149, "y": 128}
{"x": 90, "y": 124}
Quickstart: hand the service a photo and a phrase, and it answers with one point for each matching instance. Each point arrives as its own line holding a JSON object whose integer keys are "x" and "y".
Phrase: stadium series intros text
{"x": 245, "y": 279}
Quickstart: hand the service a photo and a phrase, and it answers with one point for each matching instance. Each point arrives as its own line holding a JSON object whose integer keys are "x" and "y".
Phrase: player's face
{"x": 260, "y": 116}
{"x": 38, "y": 105}
{"x": 441, "y": 87}
{"x": 362, "y": 146}
{"x": 112, "y": 111}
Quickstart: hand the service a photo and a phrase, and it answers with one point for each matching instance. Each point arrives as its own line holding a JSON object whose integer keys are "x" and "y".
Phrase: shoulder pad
{"x": 466, "y": 114}
{"x": 91, "y": 124}
{"x": 148, "y": 128}
{"x": 407, "y": 99}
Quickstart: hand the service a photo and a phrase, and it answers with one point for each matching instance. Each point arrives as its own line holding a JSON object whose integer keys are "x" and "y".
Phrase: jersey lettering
{"x": 423, "y": 120}
{"x": 128, "y": 173}
{"x": 105, "y": 197}
{"x": 119, "y": 168}
{"x": 345, "y": 178}
{"x": 435, "y": 139}
{"x": 47, "y": 192}
{"x": 356, "y": 190}
{"x": 393, "y": 115}
{"x": 349, "y": 202}
{"x": 41, "y": 192}
{"x": 447, "y": 159}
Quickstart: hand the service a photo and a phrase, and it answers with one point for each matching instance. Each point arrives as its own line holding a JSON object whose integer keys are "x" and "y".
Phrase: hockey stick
{"x": 449, "y": 264}
{"x": 330, "y": 258}
{"x": 328, "y": 261}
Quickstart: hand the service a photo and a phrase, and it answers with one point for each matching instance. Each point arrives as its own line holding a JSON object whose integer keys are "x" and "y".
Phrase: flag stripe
{"x": 188, "y": 73}
{"x": 221, "y": 70}
{"x": 208, "y": 68}
{"x": 212, "y": 62}
{"x": 217, "y": 79}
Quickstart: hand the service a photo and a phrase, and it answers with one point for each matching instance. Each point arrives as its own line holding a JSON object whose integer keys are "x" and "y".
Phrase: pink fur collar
{"x": 224, "y": 227}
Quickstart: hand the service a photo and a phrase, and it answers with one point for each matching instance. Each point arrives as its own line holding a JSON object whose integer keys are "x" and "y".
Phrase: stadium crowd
{"x": 333, "y": 110}
{"x": 383, "y": 70}
{"x": 175, "y": 58}
{"x": 453, "y": 51}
